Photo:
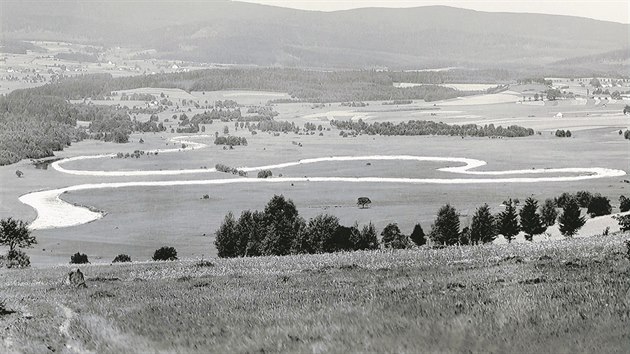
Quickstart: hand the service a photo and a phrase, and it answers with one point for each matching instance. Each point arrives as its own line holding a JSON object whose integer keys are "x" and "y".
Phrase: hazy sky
{"x": 609, "y": 10}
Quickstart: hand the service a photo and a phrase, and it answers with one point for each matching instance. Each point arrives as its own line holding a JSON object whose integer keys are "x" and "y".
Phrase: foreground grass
{"x": 567, "y": 296}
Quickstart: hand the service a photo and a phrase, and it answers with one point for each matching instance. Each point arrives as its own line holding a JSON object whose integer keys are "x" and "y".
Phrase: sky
{"x": 608, "y": 10}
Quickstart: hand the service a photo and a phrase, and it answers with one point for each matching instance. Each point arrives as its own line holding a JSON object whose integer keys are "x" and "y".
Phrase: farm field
{"x": 524, "y": 297}
{"x": 144, "y": 217}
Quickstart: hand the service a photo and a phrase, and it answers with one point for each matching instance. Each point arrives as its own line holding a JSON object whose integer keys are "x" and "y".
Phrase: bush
{"x": 624, "y": 222}
{"x": 599, "y": 206}
{"x": 79, "y": 258}
{"x": 121, "y": 258}
{"x": 165, "y": 254}
{"x": 17, "y": 259}
{"x": 624, "y": 204}
{"x": 265, "y": 174}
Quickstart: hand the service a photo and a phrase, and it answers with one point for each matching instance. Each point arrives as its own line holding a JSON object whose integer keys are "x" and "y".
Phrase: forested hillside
{"x": 242, "y": 33}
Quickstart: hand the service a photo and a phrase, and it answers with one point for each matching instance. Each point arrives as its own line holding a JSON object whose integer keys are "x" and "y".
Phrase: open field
{"x": 148, "y": 216}
{"x": 569, "y": 296}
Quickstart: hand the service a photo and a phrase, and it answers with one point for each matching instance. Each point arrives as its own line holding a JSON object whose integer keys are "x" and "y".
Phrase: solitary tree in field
{"x": 508, "y": 222}
{"x": 482, "y": 228}
{"x": 19, "y": 173}
{"x": 548, "y": 212}
{"x": 417, "y": 236}
{"x": 570, "y": 220}
{"x": 15, "y": 234}
{"x": 445, "y": 228}
{"x": 531, "y": 222}
{"x": 393, "y": 238}
{"x": 362, "y": 202}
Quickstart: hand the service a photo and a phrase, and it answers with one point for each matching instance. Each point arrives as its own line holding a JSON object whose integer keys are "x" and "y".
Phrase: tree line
{"x": 279, "y": 229}
{"x": 34, "y": 126}
{"x": 425, "y": 127}
{"x": 303, "y": 85}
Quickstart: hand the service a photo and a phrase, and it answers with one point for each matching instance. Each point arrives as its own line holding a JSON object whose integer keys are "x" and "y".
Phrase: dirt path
{"x": 64, "y": 329}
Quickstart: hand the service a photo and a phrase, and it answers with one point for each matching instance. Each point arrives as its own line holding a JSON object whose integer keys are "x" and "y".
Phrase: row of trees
{"x": 560, "y": 133}
{"x": 279, "y": 230}
{"x": 424, "y": 127}
{"x": 228, "y": 169}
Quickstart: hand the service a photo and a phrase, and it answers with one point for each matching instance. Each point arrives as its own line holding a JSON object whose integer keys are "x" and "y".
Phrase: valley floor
{"x": 563, "y": 296}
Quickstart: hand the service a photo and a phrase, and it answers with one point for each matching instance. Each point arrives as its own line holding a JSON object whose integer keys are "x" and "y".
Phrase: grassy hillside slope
{"x": 566, "y": 296}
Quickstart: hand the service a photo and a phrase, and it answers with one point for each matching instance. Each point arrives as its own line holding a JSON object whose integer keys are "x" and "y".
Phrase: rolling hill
{"x": 244, "y": 33}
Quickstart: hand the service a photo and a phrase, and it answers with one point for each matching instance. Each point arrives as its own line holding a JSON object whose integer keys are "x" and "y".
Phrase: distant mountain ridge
{"x": 245, "y": 33}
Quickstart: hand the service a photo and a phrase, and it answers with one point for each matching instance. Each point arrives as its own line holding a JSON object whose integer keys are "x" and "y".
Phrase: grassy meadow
{"x": 141, "y": 218}
{"x": 570, "y": 296}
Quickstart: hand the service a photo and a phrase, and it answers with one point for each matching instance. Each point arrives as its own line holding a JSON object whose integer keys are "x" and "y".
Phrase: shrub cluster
{"x": 165, "y": 254}
{"x": 227, "y": 169}
{"x": 563, "y": 133}
{"x": 79, "y": 258}
{"x": 265, "y": 174}
{"x": 230, "y": 140}
{"x": 121, "y": 258}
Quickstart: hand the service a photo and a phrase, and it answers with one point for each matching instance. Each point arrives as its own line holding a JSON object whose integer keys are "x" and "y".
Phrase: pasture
{"x": 565, "y": 296}
{"x": 140, "y": 218}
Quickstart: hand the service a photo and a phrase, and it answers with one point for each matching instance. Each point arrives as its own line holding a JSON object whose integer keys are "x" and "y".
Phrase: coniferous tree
{"x": 445, "y": 228}
{"x": 570, "y": 220}
{"x": 508, "y": 222}
{"x": 548, "y": 212}
{"x": 366, "y": 239}
{"x": 250, "y": 230}
{"x": 482, "y": 228}
{"x": 227, "y": 239}
{"x": 417, "y": 236}
{"x": 531, "y": 222}
{"x": 317, "y": 232}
